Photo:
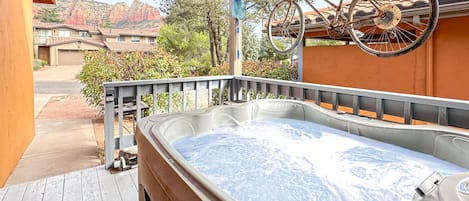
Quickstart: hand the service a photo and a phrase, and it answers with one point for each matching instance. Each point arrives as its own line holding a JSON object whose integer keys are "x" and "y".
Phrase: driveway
{"x": 57, "y": 80}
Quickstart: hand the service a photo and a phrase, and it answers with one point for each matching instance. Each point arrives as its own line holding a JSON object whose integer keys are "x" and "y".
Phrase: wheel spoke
{"x": 413, "y": 26}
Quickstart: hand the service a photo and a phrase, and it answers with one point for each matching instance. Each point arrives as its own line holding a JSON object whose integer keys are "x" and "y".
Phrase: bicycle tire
{"x": 397, "y": 24}
{"x": 290, "y": 24}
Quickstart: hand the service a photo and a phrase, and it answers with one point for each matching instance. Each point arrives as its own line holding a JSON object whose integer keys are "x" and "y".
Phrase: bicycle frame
{"x": 337, "y": 12}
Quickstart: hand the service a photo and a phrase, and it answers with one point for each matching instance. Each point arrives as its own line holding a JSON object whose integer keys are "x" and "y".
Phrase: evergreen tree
{"x": 49, "y": 15}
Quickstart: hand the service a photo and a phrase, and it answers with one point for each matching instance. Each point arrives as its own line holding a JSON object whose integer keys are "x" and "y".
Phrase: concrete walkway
{"x": 65, "y": 139}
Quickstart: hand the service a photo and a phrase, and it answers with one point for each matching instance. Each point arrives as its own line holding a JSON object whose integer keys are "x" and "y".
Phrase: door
{"x": 70, "y": 57}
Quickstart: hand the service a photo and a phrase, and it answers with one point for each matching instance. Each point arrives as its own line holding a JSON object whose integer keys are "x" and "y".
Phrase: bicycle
{"x": 383, "y": 28}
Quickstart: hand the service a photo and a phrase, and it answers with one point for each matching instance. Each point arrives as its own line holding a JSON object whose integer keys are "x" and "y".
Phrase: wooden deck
{"x": 93, "y": 184}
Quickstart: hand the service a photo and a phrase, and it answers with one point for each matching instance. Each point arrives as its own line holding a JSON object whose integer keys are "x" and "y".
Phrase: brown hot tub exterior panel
{"x": 156, "y": 176}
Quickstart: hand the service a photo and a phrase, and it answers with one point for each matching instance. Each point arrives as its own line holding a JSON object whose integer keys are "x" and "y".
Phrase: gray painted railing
{"x": 446, "y": 112}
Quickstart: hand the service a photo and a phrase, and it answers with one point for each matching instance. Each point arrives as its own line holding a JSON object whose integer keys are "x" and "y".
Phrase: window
{"x": 64, "y": 33}
{"x": 84, "y": 34}
{"x": 151, "y": 40}
{"x": 44, "y": 35}
{"x": 135, "y": 39}
{"x": 121, "y": 38}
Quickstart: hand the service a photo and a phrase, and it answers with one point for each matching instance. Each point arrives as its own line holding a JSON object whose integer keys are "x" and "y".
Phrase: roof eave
{"x": 45, "y": 1}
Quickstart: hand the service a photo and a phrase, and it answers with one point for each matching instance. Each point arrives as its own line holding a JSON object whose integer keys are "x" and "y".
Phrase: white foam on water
{"x": 284, "y": 159}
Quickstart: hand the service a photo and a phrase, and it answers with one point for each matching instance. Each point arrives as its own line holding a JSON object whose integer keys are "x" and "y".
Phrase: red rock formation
{"x": 119, "y": 13}
{"x": 140, "y": 11}
{"x": 139, "y": 15}
{"x": 76, "y": 19}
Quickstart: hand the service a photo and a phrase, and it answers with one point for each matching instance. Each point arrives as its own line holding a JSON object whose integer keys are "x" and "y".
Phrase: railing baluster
{"x": 209, "y": 96}
{"x": 220, "y": 94}
{"x": 155, "y": 99}
{"x": 184, "y": 100}
{"x": 139, "y": 103}
{"x": 256, "y": 90}
{"x": 407, "y": 113}
{"x": 170, "y": 98}
{"x": 335, "y": 101}
{"x": 196, "y": 95}
{"x": 443, "y": 116}
{"x": 356, "y": 105}
{"x": 302, "y": 94}
{"x": 379, "y": 109}
{"x": 317, "y": 97}
{"x": 120, "y": 116}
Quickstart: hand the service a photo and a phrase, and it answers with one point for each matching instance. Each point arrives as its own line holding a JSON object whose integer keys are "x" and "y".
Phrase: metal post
{"x": 235, "y": 44}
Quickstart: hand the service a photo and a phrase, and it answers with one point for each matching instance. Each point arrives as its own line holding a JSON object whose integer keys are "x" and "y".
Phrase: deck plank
{"x": 90, "y": 185}
{"x": 54, "y": 188}
{"x": 15, "y": 192}
{"x": 72, "y": 187}
{"x": 107, "y": 183}
{"x": 134, "y": 175}
{"x": 3, "y": 191}
{"x": 35, "y": 190}
{"x": 126, "y": 186}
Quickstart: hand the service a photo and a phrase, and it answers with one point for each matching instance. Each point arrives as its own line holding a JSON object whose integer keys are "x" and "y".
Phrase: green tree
{"x": 106, "y": 24}
{"x": 250, "y": 43}
{"x": 203, "y": 16}
{"x": 48, "y": 15}
{"x": 191, "y": 47}
{"x": 266, "y": 51}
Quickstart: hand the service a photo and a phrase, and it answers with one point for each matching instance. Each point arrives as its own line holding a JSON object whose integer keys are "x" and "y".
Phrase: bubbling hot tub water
{"x": 285, "y": 159}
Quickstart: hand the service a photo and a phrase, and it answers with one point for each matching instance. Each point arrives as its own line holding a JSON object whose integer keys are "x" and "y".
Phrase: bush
{"x": 265, "y": 69}
{"x": 105, "y": 66}
{"x": 38, "y": 64}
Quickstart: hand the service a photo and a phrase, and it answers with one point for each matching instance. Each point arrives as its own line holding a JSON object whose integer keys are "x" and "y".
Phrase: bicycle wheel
{"x": 286, "y": 26}
{"x": 388, "y": 28}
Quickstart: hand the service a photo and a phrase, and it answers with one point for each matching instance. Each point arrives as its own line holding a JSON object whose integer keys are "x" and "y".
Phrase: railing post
{"x": 109, "y": 141}
{"x": 234, "y": 90}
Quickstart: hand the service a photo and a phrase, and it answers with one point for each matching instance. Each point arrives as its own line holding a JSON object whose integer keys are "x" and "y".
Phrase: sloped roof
{"x": 62, "y": 40}
{"x": 124, "y": 47}
{"x": 43, "y": 25}
{"x": 110, "y": 32}
{"x": 127, "y": 32}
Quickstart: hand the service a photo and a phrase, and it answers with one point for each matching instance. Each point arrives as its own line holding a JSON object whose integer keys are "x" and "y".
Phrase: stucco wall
{"x": 451, "y": 60}
{"x": 128, "y": 39}
{"x": 16, "y": 83}
{"x": 437, "y": 68}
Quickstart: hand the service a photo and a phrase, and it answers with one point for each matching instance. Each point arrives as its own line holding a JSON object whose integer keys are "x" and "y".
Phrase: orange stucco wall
{"x": 16, "y": 83}
{"x": 440, "y": 67}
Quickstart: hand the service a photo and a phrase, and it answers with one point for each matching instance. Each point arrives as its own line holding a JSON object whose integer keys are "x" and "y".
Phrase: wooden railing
{"x": 132, "y": 97}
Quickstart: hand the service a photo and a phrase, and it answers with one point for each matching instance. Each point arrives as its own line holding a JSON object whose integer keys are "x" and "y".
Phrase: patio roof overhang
{"x": 447, "y": 10}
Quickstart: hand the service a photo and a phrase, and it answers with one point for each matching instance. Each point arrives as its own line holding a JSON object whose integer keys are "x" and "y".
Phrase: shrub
{"x": 265, "y": 69}
{"x": 106, "y": 66}
{"x": 38, "y": 64}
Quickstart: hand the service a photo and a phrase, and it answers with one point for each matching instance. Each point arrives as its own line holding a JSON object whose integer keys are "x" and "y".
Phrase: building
{"x": 63, "y": 44}
{"x": 16, "y": 82}
{"x": 437, "y": 68}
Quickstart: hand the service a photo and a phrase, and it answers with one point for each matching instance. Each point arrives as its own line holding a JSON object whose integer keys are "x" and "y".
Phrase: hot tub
{"x": 165, "y": 175}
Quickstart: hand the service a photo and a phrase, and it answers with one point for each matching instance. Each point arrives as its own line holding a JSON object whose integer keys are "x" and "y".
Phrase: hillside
{"x": 88, "y": 12}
